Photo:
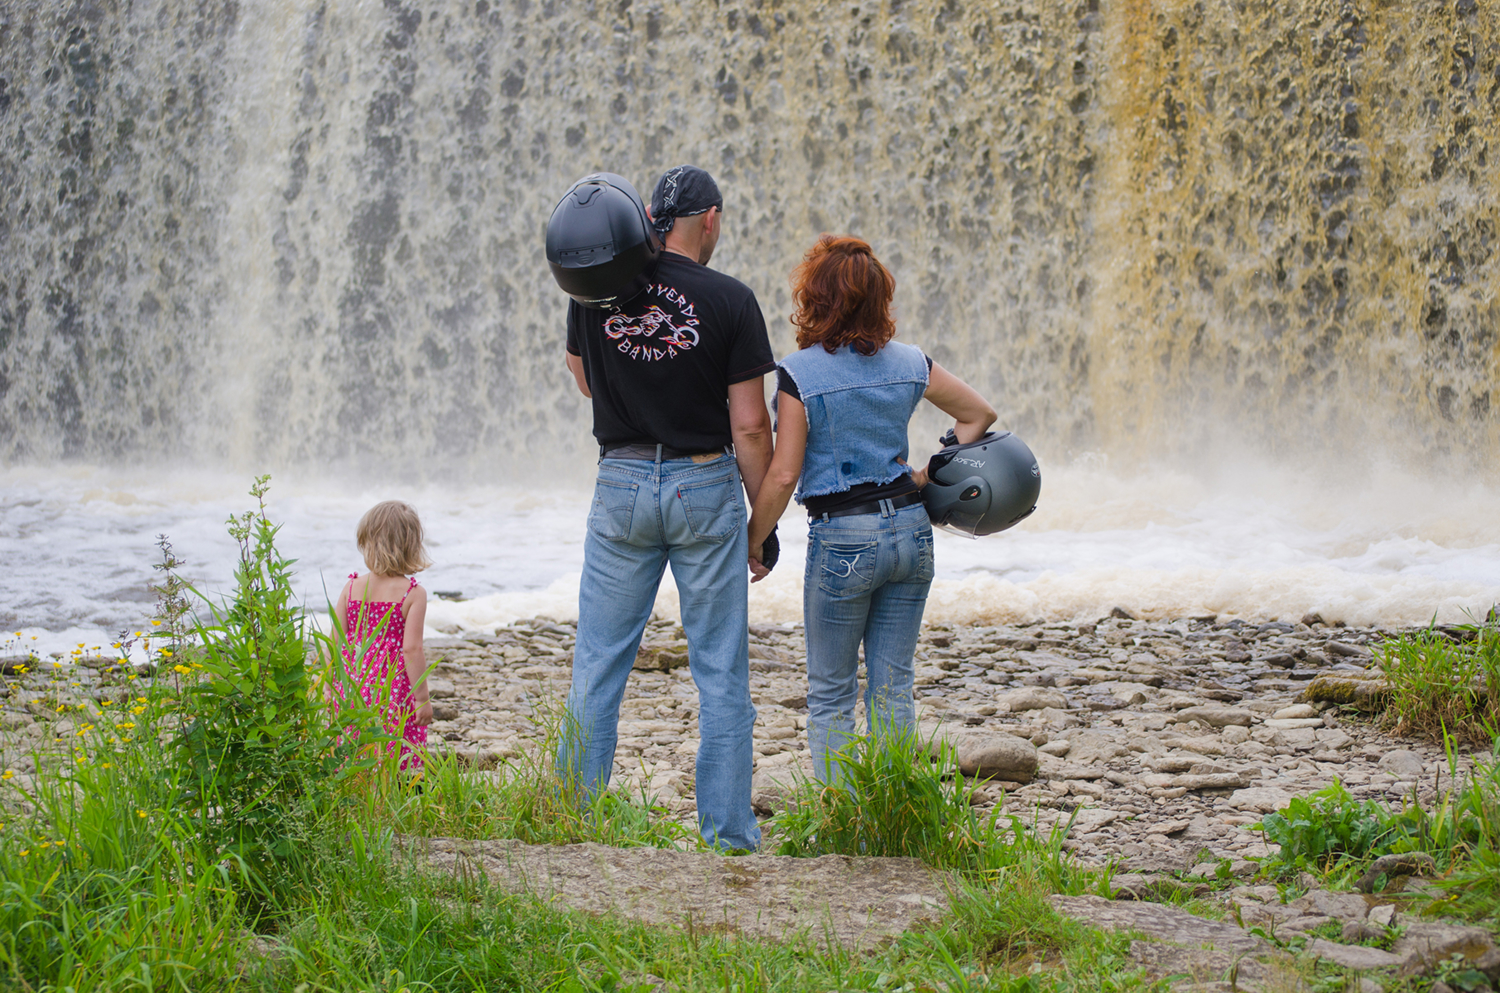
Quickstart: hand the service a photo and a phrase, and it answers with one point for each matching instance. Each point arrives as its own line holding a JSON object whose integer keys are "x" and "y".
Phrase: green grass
{"x": 134, "y": 903}
{"x": 1442, "y": 686}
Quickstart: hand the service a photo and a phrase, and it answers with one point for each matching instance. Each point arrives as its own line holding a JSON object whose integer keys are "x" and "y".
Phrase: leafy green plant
{"x": 1327, "y": 827}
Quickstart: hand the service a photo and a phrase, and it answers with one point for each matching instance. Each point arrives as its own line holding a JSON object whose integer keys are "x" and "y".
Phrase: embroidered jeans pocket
{"x": 846, "y": 569}
{"x": 614, "y": 505}
{"x": 925, "y": 565}
{"x": 713, "y": 507}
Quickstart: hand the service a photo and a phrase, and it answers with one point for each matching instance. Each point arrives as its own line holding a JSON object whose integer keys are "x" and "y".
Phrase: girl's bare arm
{"x": 415, "y": 612}
{"x": 341, "y": 609}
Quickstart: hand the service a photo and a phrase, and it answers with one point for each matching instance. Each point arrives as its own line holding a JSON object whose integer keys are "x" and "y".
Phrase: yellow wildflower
{"x": 141, "y": 814}
{"x": 25, "y": 851}
{"x": 8, "y": 774}
{"x": 165, "y": 654}
{"x": 181, "y": 668}
{"x": 105, "y": 765}
{"x": 140, "y": 699}
{"x": 156, "y": 624}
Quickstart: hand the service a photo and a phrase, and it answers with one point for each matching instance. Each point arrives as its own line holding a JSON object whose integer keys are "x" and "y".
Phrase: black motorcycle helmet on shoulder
{"x": 600, "y": 245}
{"x": 983, "y": 487}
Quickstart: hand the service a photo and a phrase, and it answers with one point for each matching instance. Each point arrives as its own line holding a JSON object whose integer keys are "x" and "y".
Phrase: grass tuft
{"x": 1444, "y": 681}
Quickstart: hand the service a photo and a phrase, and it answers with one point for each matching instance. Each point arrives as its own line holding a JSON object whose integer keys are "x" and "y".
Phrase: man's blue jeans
{"x": 867, "y": 580}
{"x": 646, "y": 514}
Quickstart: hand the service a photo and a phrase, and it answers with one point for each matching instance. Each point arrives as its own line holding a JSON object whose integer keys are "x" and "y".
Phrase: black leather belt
{"x": 873, "y": 507}
{"x": 656, "y": 453}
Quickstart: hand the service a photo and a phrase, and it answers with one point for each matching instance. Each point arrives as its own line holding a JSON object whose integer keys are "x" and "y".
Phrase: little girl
{"x": 393, "y": 663}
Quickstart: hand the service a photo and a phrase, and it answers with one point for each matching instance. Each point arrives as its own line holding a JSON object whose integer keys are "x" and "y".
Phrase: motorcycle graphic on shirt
{"x": 656, "y": 334}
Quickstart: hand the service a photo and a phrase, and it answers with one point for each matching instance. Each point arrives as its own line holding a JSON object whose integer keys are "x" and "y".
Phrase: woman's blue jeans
{"x": 866, "y": 581}
{"x": 646, "y": 514}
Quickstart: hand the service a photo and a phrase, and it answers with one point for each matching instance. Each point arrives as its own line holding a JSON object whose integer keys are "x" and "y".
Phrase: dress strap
{"x": 410, "y": 586}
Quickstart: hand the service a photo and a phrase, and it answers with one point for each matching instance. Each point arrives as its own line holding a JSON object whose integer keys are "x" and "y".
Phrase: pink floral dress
{"x": 383, "y": 670}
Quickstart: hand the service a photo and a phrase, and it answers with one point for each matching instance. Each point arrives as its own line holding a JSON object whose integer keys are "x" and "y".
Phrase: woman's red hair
{"x": 843, "y": 297}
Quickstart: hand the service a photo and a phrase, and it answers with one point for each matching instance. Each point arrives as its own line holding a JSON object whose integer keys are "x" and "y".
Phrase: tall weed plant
{"x": 272, "y": 725}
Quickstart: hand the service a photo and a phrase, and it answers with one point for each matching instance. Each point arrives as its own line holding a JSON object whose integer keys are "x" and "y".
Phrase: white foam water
{"x": 1376, "y": 548}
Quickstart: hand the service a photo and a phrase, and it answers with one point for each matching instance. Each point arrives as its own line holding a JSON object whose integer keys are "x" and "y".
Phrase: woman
{"x": 843, "y": 403}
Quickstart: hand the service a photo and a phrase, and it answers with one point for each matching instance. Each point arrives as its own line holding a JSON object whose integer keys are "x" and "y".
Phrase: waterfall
{"x": 254, "y": 235}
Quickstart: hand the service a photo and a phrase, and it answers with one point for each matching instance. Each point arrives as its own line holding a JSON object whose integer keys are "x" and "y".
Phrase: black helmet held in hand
{"x": 600, "y": 245}
{"x": 983, "y": 487}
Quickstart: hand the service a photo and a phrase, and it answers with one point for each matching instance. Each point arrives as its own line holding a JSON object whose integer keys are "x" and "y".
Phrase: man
{"x": 675, "y": 375}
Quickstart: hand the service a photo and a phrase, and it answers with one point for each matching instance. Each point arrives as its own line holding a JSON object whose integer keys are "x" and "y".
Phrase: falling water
{"x": 295, "y": 232}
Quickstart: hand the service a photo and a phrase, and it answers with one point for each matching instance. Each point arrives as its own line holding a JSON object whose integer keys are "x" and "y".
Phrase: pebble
{"x": 1402, "y": 763}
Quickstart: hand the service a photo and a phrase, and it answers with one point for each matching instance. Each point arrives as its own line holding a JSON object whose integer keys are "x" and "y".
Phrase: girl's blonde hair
{"x": 390, "y": 538}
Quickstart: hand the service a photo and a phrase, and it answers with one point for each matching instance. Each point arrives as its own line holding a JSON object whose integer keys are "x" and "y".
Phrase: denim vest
{"x": 857, "y": 407}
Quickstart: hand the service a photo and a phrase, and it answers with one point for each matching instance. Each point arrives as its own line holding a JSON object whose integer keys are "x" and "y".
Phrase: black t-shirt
{"x": 660, "y": 368}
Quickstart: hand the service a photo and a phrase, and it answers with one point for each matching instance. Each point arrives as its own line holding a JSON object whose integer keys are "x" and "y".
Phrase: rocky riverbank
{"x": 1155, "y": 745}
{"x": 1161, "y": 740}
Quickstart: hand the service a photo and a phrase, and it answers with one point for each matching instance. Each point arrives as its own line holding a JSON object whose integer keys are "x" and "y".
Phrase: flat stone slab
{"x": 1353, "y": 956}
{"x": 1161, "y": 923}
{"x": 1201, "y": 969}
{"x": 854, "y": 902}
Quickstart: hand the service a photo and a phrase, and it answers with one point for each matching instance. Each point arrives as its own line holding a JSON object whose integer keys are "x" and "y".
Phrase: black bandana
{"x": 682, "y": 191}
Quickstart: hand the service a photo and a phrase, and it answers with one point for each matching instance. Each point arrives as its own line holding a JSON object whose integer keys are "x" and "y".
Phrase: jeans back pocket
{"x": 925, "y": 565}
{"x": 614, "y": 507}
{"x": 846, "y": 568}
{"x": 713, "y": 506}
